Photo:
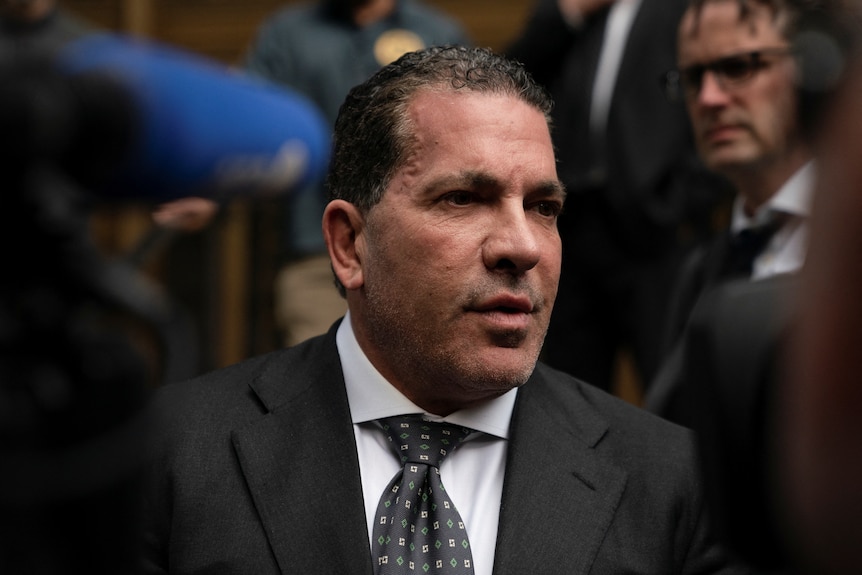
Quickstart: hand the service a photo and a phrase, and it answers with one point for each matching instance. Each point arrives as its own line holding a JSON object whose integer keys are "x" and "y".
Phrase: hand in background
{"x": 185, "y": 214}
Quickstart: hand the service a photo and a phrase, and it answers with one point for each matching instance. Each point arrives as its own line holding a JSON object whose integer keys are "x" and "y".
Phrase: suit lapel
{"x": 558, "y": 496}
{"x": 324, "y": 530}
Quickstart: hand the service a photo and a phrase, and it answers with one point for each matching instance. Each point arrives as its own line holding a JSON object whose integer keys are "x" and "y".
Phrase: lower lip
{"x": 508, "y": 321}
{"x": 721, "y": 134}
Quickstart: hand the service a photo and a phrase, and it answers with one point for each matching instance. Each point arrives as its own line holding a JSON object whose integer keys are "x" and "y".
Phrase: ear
{"x": 343, "y": 227}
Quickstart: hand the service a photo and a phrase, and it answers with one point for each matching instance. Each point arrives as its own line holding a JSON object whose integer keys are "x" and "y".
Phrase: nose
{"x": 512, "y": 245}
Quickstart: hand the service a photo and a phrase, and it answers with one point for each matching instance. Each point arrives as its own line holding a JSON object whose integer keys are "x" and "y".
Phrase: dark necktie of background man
{"x": 745, "y": 246}
{"x": 418, "y": 529}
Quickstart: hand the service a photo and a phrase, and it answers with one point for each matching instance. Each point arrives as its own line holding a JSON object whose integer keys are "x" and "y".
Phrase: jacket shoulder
{"x": 619, "y": 427}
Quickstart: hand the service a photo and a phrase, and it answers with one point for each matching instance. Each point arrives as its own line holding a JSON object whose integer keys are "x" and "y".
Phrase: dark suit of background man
{"x": 637, "y": 194}
{"x": 442, "y": 232}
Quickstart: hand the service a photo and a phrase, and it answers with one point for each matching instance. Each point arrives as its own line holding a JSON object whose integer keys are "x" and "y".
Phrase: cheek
{"x": 789, "y": 118}
{"x": 773, "y": 126}
{"x": 776, "y": 112}
{"x": 419, "y": 261}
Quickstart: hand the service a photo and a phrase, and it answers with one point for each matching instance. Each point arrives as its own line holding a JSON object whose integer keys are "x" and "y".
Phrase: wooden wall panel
{"x": 104, "y": 13}
{"x": 222, "y": 28}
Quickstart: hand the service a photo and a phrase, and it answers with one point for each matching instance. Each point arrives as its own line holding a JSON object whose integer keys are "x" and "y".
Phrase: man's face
{"x": 742, "y": 121}
{"x": 461, "y": 257}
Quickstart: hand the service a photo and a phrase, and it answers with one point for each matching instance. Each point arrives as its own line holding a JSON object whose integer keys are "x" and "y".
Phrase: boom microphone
{"x": 200, "y": 129}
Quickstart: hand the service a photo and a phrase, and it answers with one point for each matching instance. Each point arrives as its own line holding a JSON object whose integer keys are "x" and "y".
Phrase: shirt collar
{"x": 793, "y": 198}
{"x": 371, "y": 397}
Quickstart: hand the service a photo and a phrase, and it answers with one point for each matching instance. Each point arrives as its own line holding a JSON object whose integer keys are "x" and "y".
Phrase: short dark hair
{"x": 788, "y": 9}
{"x": 373, "y": 134}
{"x": 799, "y": 15}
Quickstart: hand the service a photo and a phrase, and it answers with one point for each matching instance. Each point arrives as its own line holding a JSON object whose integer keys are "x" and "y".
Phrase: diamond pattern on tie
{"x": 418, "y": 529}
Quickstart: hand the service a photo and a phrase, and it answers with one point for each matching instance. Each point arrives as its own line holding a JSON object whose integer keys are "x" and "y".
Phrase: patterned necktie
{"x": 418, "y": 529}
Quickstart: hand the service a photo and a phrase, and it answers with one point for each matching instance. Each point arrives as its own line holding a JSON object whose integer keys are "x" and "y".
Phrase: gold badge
{"x": 392, "y": 44}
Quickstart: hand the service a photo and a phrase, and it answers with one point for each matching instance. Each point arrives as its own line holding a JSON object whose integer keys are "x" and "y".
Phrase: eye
{"x": 736, "y": 69}
{"x": 548, "y": 208}
{"x": 692, "y": 77}
{"x": 459, "y": 198}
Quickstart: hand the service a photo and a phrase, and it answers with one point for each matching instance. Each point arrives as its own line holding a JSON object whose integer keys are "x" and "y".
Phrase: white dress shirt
{"x": 472, "y": 474}
{"x": 785, "y": 251}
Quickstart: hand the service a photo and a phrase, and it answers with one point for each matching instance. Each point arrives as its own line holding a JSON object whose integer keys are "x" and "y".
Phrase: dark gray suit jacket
{"x": 255, "y": 471}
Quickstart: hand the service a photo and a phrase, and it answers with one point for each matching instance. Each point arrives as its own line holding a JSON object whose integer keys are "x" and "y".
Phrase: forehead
{"x": 718, "y": 29}
{"x": 497, "y": 136}
{"x": 443, "y": 111}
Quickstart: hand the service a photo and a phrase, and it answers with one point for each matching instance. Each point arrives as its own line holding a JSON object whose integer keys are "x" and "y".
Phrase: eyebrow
{"x": 755, "y": 53}
{"x": 482, "y": 180}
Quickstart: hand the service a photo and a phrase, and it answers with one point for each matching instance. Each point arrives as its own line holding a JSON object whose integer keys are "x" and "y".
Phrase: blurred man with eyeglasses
{"x": 755, "y": 77}
{"x": 737, "y": 75}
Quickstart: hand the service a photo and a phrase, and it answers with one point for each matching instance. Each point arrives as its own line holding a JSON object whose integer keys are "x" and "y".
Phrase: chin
{"x": 492, "y": 384}
{"x": 729, "y": 158}
{"x": 508, "y": 367}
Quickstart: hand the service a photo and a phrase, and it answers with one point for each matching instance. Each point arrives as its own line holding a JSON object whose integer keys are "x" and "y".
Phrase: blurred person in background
{"x": 737, "y": 76}
{"x": 759, "y": 78}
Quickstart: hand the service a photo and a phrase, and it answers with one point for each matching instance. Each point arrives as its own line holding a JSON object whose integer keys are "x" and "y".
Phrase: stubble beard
{"x": 426, "y": 361}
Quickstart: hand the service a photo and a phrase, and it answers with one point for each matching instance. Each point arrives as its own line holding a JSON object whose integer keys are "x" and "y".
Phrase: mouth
{"x": 721, "y": 132}
{"x": 506, "y": 304}
{"x": 507, "y": 319}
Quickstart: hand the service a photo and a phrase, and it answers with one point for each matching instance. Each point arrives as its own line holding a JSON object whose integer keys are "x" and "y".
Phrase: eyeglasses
{"x": 729, "y": 71}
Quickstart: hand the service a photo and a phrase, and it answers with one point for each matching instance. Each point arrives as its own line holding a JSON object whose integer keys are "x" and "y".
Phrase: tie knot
{"x": 419, "y": 441}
